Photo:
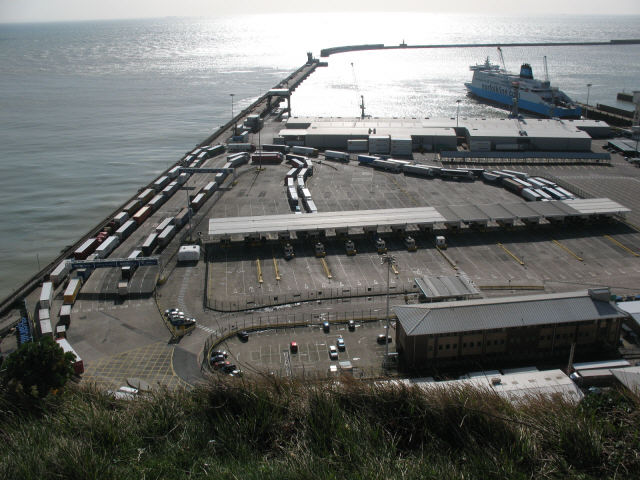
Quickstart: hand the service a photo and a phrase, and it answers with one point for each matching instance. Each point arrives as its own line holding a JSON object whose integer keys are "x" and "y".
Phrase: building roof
{"x": 441, "y": 287}
{"x": 632, "y": 308}
{"x": 515, "y": 387}
{"x": 498, "y": 313}
{"x": 455, "y": 214}
{"x": 629, "y": 377}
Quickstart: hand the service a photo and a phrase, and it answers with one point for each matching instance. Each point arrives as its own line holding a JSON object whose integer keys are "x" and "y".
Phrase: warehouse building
{"x": 510, "y": 329}
{"x": 436, "y": 134}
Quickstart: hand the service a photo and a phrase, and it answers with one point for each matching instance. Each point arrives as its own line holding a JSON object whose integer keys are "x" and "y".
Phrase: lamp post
{"x": 234, "y": 125}
{"x": 457, "y": 111}
{"x": 389, "y": 260}
{"x": 586, "y": 114}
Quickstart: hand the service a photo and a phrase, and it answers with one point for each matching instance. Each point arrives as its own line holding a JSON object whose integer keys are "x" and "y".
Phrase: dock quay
{"x": 611, "y": 115}
{"x": 300, "y": 229}
{"x": 327, "y": 52}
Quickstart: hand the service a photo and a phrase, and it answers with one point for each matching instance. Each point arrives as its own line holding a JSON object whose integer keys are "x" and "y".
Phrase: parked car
{"x": 216, "y": 358}
{"x": 293, "y": 346}
{"x": 229, "y": 367}
{"x": 340, "y": 344}
{"x": 381, "y": 339}
{"x": 333, "y": 352}
{"x": 224, "y": 353}
{"x": 326, "y": 326}
{"x": 351, "y": 325}
{"x": 243, "y": 335}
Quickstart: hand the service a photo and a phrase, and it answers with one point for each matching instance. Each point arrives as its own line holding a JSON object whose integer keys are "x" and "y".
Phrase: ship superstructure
{"x": 495, "y": 84}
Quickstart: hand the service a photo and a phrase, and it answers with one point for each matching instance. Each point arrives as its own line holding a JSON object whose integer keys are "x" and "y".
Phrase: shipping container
{"x": 156, "y": 202}
{"x": 535, "y": 183}
{"x": 71, "y": 292}
{"x": 142, "y": 214}
{"x": 182, "y": 217}
{"x": 133, "y": 206}
{"x": 161, "y": 182}
{"x": 521, "y": 175}
{"x": 126, "y": 229}
{"x": 367, "y": 159}
{"x": 120, "y": 218}
{"x": 554, "y": 193}
{"x": 65, "y": 314}
{"x": 311, "y": 206}
{"x": 238, "y": 159}
{"x": 87, "y": 248}
{"x": 271, "y": 158}
{"x": 45, "y": 328}
{"x": 198, "y": 201}
{"x": 107, "y": 246}
{"x": 174, "y": 172}
{"x": 275, "y": 148}
{"x": 386, "y": 165}
{"x": 308, "y": 151}
{"x": 46, "y": 295}
{"x": 182, "y": 178}
{"x": 420, "y": 170}
{"x": 296, "y": 160}
{"x": 216, "y": 149}
{"x": 564, "y": 192}
{"x": 456, "y": 173}
{"x": 309, "y": 165}
{"x": 290, "y": 182}
{"x": 146, "y": 195}
{"x": 292, "y": 195}
{"x": 543, "y": 195}
{"x": 379, "y": 144}
{"x": 530, "y": 195}
{"x": 306, "y": 194}
{"x": 149, "y": 244}
{"x": 43, "y": 314}
{"x": 60, "y": 272}
{"x": 401, "y": 146}
{"x": 524, "y": 183}
{"x": 335, "y": 155}
{"x": 78, "y": 366}
{"x": 167, "y": 234}
{"x": 511, "y": 184}
{"x": 547, "y": 183}
{"x": 240, "y": 147}
{"x": 126, "y": 272}
{"x": 490, "y": 177}
{"x": 220, "y": 177}
{"x": 164, "y": 224}
{"x": 209, "y": 189}
{"x": 170, "y": 189}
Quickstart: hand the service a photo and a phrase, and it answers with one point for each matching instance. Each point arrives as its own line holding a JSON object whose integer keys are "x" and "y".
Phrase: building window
{"x": 464, "y": 345}
{"x": 439, "y": 347}
{"x": 471, "y": 344}
{"x": 448, "y": 346}
{"x": 455, "y": 345}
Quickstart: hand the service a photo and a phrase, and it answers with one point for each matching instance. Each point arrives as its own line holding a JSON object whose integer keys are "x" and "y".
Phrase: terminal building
{"x": 510, "y": 329}
{"x": 440, "y": 134}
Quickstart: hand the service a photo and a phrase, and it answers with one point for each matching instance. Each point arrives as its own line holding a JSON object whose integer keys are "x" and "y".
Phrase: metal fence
{"x": 250, "y": 302}
{"x": 285, "y": 322}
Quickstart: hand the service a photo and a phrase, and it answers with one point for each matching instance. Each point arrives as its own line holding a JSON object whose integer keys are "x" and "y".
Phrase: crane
{"x": 504, "y": 67}
{"x": 355, "y": 82}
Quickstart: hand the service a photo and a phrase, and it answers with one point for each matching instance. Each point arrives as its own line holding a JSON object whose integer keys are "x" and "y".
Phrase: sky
{"x": 69, "y": 10}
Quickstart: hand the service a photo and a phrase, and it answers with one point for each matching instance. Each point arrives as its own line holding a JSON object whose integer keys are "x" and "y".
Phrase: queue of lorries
{"x": 121, "y": 226}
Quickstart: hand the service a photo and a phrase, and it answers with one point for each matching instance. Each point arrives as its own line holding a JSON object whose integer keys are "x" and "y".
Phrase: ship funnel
{"x": 526, "y": 71}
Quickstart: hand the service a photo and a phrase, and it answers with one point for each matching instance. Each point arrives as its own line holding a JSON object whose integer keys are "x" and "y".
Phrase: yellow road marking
{"x": 259, "y": 270}
{"x": 566, "y": 249}
{"x": 446, "y": 257}
{"x": 326, "y": 268}
{"x": 275, "y": 265}
{"x": 511, "y": 254}
{"x": 395, "y": 269}
{"x": 613, "y": 240}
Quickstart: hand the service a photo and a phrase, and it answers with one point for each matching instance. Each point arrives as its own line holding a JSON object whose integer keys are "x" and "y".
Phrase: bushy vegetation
{"x": 287, "y": 430}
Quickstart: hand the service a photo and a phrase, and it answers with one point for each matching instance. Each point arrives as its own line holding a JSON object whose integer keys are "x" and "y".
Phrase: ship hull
{"x": 506, "y": 101}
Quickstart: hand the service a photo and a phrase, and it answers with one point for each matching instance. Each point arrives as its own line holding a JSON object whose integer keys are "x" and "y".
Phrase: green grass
{"x": 287, "y": 430}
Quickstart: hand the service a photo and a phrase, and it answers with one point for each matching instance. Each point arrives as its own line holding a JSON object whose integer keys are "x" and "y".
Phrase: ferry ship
{"x": 496, "y": 85}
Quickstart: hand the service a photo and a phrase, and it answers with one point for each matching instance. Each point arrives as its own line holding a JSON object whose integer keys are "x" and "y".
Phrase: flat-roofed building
{"x": 490, "y": 331}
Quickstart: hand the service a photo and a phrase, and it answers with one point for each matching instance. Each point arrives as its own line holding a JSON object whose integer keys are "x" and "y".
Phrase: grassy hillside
{"x": 278, "y": 429}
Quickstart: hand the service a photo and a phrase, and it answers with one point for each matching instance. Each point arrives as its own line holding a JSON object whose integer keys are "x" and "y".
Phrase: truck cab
{"x": 441, "y": 242}
{"x": 350, "y": 247}
{"x": 410, "y": 243}
{"x": 381, "y": 246}
{"x": 319, "y": 250}
{"x": 288, "y": 252}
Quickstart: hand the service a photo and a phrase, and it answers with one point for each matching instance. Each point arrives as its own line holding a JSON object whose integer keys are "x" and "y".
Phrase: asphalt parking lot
{"x": 269, "y": 352}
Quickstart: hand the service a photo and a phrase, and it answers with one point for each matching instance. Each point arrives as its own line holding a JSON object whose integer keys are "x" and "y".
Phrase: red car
{"x": 293, "y": 347}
